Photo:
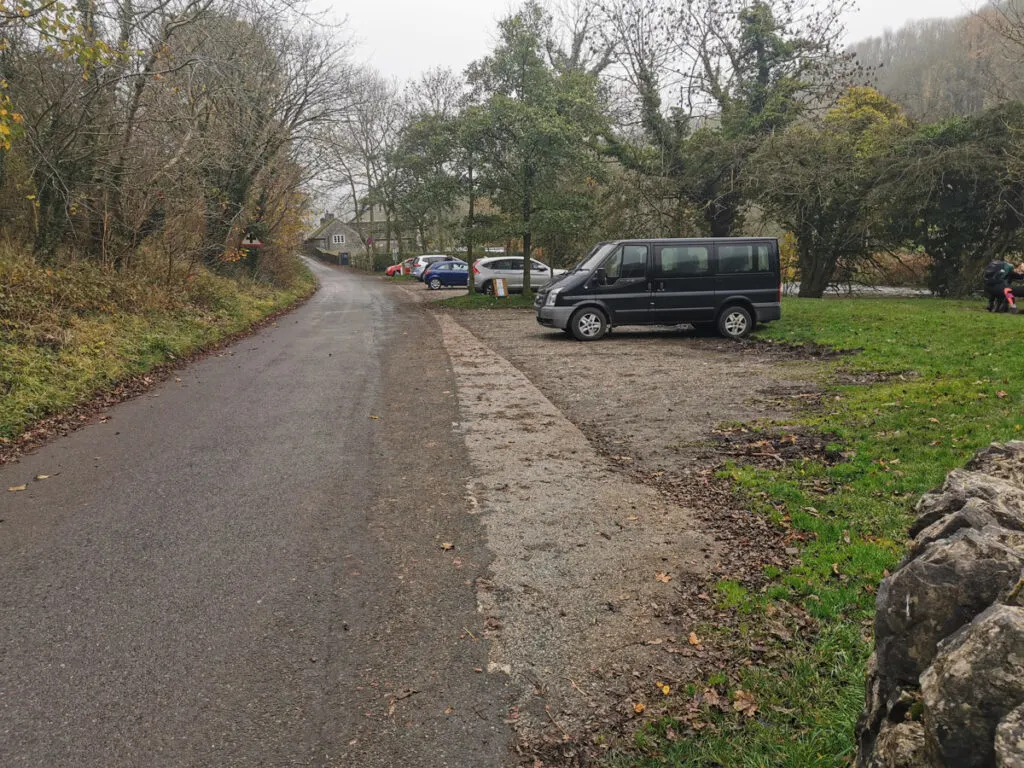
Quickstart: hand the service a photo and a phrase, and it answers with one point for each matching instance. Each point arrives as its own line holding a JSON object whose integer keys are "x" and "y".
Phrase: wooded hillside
{"x": 942, "y": 68}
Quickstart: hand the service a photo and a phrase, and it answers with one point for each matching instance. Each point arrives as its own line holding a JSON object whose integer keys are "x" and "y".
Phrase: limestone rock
{"x": 977, "y": 679}
{"x": 1001, "y": 498}
{"x": 951, "y": 582}
{"x": 901, "y": 745}
{"x": 1010, "y": 740}
{"x": 1005, "y": 460}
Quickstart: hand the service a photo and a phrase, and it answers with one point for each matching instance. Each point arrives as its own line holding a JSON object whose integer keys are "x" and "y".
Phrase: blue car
{"x": 441, "y": 274}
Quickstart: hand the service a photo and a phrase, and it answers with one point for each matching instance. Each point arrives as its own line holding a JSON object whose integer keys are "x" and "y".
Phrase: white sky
{"x": 402, "y": 38}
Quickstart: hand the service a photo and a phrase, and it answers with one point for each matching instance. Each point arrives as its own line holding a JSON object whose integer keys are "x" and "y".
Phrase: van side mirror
{"x": 601, "y": 275}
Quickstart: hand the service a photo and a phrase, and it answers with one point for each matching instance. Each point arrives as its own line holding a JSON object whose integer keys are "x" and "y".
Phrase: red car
{"x": 404, "y": 268}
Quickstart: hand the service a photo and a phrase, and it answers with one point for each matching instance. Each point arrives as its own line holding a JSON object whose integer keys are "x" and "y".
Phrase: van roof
{"x": 692, "y": 240}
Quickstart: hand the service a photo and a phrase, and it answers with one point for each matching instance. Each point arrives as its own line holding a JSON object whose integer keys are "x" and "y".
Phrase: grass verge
{"x": 942, "y": 379}
{"x": 68, "y": 333}
{"x": 483, "y": 301}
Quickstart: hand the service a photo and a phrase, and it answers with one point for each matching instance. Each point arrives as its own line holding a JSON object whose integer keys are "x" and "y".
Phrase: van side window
{"x": 733, "y": 259}
{"x": 681, "y": 260}
{"x": 627, "y": 261}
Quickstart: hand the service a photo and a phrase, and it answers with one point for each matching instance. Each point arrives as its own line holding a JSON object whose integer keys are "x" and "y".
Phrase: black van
{"x": 731, "y": 283}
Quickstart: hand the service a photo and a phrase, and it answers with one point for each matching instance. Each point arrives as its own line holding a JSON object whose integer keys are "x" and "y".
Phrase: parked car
{"x": 402, "y": 268}
{"x": 727, "y": 283}
{"x": 421, "y": 262}
{"x": 511, "y": 268}
{"x": 442, "y": 274}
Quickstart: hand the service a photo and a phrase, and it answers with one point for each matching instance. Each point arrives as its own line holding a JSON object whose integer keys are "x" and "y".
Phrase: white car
{"x": 421, "y": 263}
{"x": 511, "y": 269}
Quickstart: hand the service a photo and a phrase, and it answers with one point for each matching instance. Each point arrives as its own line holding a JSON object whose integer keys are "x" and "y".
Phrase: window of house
{"x": 338, "y": 239}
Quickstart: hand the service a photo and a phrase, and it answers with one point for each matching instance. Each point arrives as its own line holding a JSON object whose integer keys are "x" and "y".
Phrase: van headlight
{"x": 552, "y": 295}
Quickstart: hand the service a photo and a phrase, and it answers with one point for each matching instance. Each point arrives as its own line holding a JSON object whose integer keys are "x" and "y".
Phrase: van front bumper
{"x": 554, "y": 317}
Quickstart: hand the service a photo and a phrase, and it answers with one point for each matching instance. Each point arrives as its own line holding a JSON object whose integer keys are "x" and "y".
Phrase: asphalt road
{"x": 244, "y": 568}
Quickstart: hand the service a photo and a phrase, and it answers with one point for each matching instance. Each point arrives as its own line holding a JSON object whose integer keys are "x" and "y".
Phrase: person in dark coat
{"x": 997, "y": 279}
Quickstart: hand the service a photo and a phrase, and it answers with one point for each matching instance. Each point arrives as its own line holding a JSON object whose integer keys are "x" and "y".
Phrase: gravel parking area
{"x": 594, "y": 476}
{"x": 651, "y": 395}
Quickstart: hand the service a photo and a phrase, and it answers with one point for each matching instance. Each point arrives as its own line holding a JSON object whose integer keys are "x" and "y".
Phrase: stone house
{"x": 336, "y": 240}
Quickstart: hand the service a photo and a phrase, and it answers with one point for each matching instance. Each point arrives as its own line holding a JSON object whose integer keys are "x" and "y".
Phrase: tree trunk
{"x": 816, "y": 268}
{"x": 527, "y": 234}
{"x": 470, "y": 281}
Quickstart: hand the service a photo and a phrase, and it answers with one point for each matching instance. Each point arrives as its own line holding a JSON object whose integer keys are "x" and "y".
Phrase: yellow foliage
{"x": 788, "y": 258}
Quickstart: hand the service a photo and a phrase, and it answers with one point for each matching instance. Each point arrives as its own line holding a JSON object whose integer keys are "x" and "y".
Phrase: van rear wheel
{"x": 735, "y": 322}
{"x": 588, "y": 324}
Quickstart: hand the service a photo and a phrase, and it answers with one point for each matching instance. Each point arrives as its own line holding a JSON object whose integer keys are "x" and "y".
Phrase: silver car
{"x": 511, "y": 269}
{"x": 422, "y": 262}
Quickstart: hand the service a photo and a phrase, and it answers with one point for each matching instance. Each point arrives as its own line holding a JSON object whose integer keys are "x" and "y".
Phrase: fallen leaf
{"x": 639, "y": 708}
{"x": 933, "y": 420}
{"x": 670, "y": 734}
{"x": 666, "y": 690}
{"x": 1001, "y": 394}
{"x": 447, "y": 546}
{"x": 18, "y": 488}
{"x": 712, "y": 699}
{"x": 375, "y": 418}
{"x": 42, "y": 477}
{"x": 694, "y": 640}
{"x": 664, "y": 578}
{"x": 846, "y": 537}
{"x": 744, "y": 702}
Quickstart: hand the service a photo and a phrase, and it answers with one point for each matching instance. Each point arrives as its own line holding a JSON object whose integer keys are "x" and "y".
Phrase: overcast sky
{"x": 402, "y": 38}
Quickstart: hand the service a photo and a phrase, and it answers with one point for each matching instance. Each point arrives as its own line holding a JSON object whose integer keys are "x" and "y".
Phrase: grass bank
{"x": 938, "y": 380}
{"x": 69, "y": 332}
{"x": 483, "y": 301}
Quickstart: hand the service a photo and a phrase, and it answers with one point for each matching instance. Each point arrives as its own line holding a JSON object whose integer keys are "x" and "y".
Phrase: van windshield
{"x": 594, "y": 258}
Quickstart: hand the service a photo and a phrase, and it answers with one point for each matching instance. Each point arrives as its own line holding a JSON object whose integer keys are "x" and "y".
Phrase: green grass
{"x": 67, "y": 333}
{"x": 483, "y": 301}
{"x": 955, "y": 384}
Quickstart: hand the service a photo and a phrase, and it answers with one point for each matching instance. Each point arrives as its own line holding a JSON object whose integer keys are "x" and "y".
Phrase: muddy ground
{"x": 595, "y": 477}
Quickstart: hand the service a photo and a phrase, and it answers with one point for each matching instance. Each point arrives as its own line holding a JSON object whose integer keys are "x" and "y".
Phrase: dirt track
{"x": 594, "y": 479}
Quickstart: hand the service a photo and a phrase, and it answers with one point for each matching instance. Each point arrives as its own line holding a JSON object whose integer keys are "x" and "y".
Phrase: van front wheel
{"x": 588, "y": 324}
{"x": 735, "y": 323}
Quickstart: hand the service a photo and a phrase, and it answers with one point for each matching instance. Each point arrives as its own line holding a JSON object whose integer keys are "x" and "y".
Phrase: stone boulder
{"x": 946, "y": 682}
{"x": 976, "y": 681}
{"x": 932, "y": 596}
{"x": 1010, "y": 740}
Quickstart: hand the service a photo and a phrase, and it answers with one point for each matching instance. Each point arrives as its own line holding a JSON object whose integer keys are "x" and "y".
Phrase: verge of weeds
{"x": 938, "y": 380}
{"x": 67, "y": 333}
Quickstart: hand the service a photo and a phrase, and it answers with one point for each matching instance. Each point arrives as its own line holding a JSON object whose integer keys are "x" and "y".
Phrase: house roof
{"x": 325, "y": 228}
